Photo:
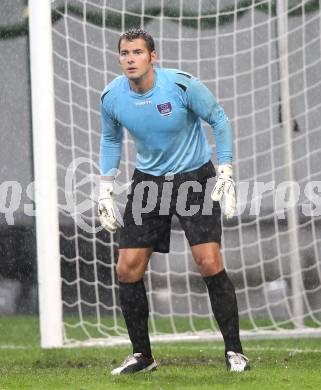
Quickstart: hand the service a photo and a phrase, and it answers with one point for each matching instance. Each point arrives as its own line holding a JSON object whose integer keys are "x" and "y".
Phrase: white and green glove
{"x": 107, "y": 208}
{"x": 225, "y": 187}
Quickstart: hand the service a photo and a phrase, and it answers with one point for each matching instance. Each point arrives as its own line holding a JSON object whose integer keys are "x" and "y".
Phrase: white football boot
{"x": 236, "y": 362}
{"x": 135, "y": 363}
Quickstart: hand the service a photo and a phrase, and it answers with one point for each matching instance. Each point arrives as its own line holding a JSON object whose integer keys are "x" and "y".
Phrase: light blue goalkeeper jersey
{"x": 165, "y": 124}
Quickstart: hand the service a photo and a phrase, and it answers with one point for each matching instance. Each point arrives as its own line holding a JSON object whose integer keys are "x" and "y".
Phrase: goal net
{"x": 262, "y": 60}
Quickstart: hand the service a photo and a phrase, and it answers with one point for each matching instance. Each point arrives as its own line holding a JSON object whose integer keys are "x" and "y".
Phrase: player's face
{"x": 135, "y": 59}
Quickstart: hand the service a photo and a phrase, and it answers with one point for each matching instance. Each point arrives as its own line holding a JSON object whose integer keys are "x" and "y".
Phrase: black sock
{"x": 224, "y": 305}
{"x": 134, "y": 305}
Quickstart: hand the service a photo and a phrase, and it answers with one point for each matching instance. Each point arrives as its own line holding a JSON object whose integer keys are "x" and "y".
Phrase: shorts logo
{"x": 164, "y": 108}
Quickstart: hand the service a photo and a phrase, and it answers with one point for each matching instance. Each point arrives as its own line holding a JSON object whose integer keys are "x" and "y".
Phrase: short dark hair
{"x": 136, "y": 33}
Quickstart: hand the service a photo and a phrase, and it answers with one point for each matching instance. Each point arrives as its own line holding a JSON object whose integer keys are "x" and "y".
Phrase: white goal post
{"x": 261, "y": 59}
{"x": 45, "y": 168}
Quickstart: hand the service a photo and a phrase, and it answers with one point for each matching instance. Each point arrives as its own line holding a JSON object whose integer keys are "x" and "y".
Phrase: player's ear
{"x": 153, "y": 57}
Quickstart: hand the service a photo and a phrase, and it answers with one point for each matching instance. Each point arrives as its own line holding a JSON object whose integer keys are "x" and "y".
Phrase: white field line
{"x": 262, "y": 349}
{"x": 209, "y": 347}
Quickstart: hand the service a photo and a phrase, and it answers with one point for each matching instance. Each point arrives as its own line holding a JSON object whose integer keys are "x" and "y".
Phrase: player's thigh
{"x": 202, "y": 229}
{"x": 143, "y": 226}
{"x": 203, "y": 226}
{"x": 199, "y": 216}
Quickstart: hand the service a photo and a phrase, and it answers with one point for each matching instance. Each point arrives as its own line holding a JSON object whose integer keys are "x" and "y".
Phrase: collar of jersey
{"x": 145, "y": 94}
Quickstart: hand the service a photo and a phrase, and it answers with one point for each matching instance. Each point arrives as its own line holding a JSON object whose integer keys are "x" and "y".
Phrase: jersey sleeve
{"x": 202, "y": 102}
{"x": 110, "y": 143}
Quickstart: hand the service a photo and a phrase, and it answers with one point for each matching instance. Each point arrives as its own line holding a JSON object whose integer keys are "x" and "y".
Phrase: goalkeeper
{"x": 162, "y": 110}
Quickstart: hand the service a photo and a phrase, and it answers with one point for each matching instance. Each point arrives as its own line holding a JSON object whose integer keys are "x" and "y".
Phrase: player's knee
{"x": 123, "y": 273}
{"x": 208, "y": 265}
{"x": 203, "y": 260}
{"x": 128, "y": 271}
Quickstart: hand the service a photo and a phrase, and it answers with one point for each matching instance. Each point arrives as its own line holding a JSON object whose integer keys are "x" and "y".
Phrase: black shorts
{"x": 155, "y": 199}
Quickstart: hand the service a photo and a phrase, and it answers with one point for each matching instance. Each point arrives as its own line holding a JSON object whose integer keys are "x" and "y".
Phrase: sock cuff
{"x": 131, "y": 284}
{"x": 216, "y": 279}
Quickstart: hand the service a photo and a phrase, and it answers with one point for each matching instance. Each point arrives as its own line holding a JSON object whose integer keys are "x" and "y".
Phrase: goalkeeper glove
{"x": 106, "y": 207}
{"x": 225, "y": 186}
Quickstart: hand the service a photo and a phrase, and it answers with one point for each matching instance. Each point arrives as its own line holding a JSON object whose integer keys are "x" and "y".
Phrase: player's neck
{"x": 144, "y": 83}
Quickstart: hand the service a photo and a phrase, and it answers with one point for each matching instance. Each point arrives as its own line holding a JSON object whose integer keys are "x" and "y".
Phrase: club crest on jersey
{"x": 164, "y": 108}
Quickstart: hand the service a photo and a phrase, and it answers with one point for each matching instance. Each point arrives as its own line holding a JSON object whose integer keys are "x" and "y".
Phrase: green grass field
{"x": 276, "y": 364}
